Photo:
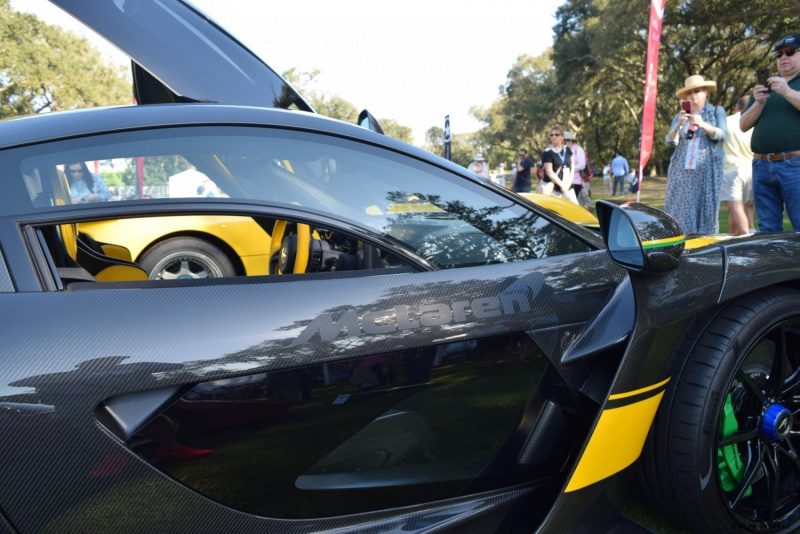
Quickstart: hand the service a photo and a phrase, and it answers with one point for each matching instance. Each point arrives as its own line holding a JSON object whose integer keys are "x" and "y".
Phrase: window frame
{"x": 238, "y": 206}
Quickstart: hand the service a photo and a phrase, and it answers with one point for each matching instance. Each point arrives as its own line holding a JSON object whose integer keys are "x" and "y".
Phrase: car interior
{"x": 295, "y": 248}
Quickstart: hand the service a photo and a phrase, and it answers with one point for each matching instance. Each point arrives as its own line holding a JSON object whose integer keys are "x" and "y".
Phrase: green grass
{"x": 653, "y": 192}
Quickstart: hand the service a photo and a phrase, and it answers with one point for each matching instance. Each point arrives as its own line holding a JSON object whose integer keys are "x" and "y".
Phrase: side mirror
{"x": 366, "y": 120}
{"x": 640, "y": 238}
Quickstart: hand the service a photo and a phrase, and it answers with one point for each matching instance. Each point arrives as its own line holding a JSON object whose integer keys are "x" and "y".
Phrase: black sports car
{"x": 427, "y": 353}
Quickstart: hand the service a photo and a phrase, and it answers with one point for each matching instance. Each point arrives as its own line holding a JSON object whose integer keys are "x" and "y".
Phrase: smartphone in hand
{"x": 686, "y": 106}
{"x": 762, "y": 75}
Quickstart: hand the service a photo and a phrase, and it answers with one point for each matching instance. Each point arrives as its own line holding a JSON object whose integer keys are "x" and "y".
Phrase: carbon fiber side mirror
{"x": 640, "y": 238}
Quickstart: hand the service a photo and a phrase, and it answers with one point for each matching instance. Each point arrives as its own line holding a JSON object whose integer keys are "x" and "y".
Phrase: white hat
{"x": 479, "y": 156}
{"x": 568, "y": 136}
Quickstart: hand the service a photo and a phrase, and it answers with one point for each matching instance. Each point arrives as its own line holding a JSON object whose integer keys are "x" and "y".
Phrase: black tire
{"x": 746, "y": 360}
{"x": 186, "y": 258}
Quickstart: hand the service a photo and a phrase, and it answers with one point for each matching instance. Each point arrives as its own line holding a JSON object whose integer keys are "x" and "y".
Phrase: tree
{"x": 394, "y": 129}
{"x": 434, "y": 138}
{"x": 462, "y": 146}
{"x": 45, "y": 68}
{"x": 337, "y": 107}
{"x": 599, "y": 54}
{"x": 592, "y": 80}
{"x": 524, "y": 111}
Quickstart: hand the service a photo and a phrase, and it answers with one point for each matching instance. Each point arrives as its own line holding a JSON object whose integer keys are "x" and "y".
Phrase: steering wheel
{"x": 289, "y": 251}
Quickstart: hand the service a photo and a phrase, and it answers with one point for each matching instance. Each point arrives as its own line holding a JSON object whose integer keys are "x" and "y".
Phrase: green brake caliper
{"x": 731, "y": 468}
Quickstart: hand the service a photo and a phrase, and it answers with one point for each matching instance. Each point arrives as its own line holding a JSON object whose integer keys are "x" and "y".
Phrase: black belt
{"x": 778, "y": 156}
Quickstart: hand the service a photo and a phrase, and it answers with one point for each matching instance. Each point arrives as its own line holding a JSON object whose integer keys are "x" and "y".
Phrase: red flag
{"x": 650, "y": 85}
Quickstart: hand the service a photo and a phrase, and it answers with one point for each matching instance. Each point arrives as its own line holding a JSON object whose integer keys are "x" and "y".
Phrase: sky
{"x": 413, "y": 61}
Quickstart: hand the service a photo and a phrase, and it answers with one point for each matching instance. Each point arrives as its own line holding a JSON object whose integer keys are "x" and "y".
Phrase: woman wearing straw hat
{"x": 695, "y": 169}
{"x": 479, "y": 166}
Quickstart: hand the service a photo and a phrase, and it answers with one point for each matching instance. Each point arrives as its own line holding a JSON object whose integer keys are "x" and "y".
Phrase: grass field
{"x": 653, "y": 192}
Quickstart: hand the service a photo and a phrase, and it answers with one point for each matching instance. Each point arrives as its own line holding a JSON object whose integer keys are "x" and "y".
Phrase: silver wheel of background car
{"x": 186, "y": 258}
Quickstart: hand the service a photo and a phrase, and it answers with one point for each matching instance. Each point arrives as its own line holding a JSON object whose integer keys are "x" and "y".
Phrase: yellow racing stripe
{"x": 617, "y": 440}
{"x": 637, "y": 391}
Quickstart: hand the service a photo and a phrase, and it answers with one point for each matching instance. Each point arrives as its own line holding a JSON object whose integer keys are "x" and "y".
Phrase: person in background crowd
{"x": 633, "y": 178}
{"x": 479, "y": 166}
{"x": 557, "y": 163}
{"x": 619, "y": 170}
{"x": 580, "y": 186}
{"x": 85, "y": 186}
{"x": 522, "y": 180}
{"x": 695, "y": 168}
{"x": 774, "y": 115}
{"x": 607, "y": 178}
{"x": 500, "y": 177}
{"x": 737, "y": 166}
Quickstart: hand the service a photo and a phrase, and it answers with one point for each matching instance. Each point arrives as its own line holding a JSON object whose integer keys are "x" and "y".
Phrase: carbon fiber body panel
{"x": 5, "y": 279}
{"x": 760, "y": 261}
{"x": 225, "y": 331}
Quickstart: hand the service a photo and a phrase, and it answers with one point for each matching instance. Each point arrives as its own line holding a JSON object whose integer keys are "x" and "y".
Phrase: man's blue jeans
{"x": 776, "y": 183}
{"x": 619, "y": 181}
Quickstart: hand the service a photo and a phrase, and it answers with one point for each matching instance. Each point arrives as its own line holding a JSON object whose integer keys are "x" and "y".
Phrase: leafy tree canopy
{"x": 462, "y": 146}
{"x": 45, "y": 68}
{"x": 337, "y": 107}
{"x": 592, "y": 79}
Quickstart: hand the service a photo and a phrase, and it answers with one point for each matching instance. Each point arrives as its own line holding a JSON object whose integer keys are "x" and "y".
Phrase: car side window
{"x": 190, "y": 248}
{"x": 442, "y": 218}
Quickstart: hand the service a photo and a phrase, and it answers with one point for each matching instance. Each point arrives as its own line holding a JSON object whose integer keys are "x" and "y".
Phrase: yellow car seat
{"x": 79, "y": 257}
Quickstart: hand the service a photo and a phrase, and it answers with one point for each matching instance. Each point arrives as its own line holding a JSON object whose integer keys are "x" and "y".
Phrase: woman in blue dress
{"x": 695, "y": 169}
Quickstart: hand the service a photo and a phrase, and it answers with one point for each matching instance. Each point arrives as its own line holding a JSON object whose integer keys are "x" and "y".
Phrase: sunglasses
{"x": 76, "y": 171}
{"x": 555, "y": 135}
{"x": 788, "y": 52}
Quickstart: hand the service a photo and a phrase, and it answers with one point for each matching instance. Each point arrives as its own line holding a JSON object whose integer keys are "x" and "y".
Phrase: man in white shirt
{"x": 737, "y": 180}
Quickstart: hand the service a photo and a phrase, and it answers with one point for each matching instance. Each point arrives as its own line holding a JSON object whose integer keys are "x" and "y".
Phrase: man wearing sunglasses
{"x": 774, "y": 113}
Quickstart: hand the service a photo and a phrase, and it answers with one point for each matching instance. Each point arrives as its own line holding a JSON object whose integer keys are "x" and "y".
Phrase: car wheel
{"x": 725, "y": 452}
{"x": 184, "y": 258}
